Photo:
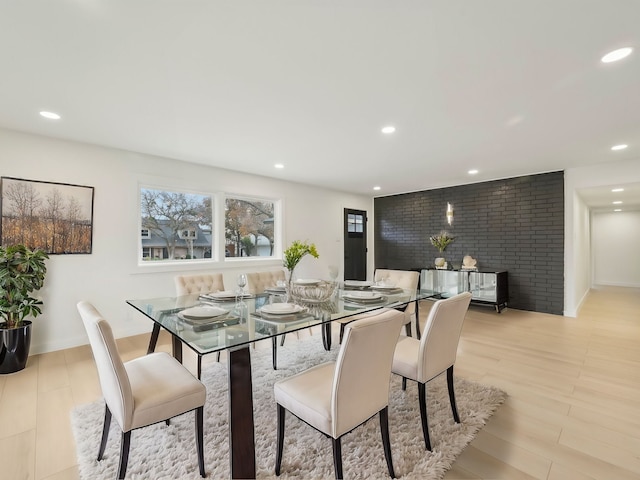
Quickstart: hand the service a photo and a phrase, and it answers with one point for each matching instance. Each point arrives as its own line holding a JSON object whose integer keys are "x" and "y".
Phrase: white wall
{"x": 110, "y": 275}
{"x": 578, "y": 227}
{"x": 615, "y": 239}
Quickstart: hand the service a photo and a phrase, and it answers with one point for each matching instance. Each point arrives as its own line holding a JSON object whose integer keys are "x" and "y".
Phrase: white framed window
{"x": 250, "y": 227}
{"x": 175, "y": 225}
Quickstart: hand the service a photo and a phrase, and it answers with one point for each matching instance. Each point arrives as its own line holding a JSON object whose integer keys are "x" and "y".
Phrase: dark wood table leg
{"x": 176, "y": 347}
{"x": 241, "y": 431}
{"x": 418, "y": 319}
{"x": 326, "y": 335}
{"x": 154, "y": 338}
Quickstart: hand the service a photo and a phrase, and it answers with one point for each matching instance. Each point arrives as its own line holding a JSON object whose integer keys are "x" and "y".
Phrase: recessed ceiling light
{"x": 472, "y": 172}
{"x": 617, "y": 55}
{"x": 617, "y": 202}
{"x": 279, "y": 165}
{"x": 388, "y": 129}
{"x": 617, "y": 209}
{"x": 50, "y": 115}
{"x": 617, "y": 190}
{"x": 376, "y": 188}
{"x": 619, "y": 147}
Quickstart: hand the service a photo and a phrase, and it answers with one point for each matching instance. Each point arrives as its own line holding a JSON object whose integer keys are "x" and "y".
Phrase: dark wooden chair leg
{"x": 386, "y": 442}
{"x": 124, "y": 454}
{"x": 422, "y": 399}
{"x": 418, "y": 334}
{"x": 404, "y": 383}
{"x": 274, "y": 352}
{"x": 452, "y": 394}
{"x": 200, "y": 366}
{"x": 337, "y": 457}
{"x": 167, "y": 422}
{"x": 280, "y": 444}
{"x": 407, "y": 327}
{"x": 217, "y": 358}
{"x": 105, "y": 432}
{"x": 200, "y": 438}
{"x": 154, "y": 338}
{"x": 342, "y": 325}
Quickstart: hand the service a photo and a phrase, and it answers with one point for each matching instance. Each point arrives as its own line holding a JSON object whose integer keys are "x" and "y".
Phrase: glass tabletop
{"x": 211, "y": 323}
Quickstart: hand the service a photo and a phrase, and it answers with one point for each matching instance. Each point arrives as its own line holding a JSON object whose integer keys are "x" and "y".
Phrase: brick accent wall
{"x": 516, "y": 224}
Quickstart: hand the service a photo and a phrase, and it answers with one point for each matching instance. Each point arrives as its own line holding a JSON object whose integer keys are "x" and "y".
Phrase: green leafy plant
{"x": 441, "y": 240}
{"x": 22, "y": 272}
{"x": 294, "y": 253}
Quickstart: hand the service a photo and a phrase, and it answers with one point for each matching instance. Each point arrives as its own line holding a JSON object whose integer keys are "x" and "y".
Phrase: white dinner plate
{"x": 357, "y": 283}
{"x": 385, "y": 287}
{"x": 362, "y": 296}
{"x": 307, "y": 281}
{"x": 281, "y": 308}
{"x": 197, "y": 313}
{"x": 225, "y": 294}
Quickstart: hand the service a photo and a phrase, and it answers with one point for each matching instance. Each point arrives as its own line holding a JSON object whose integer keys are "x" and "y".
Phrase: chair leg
{"x": 422, "y": 399}
{"x": 407, "y": 327}
{"x": 280, "y": 444}
{"x": 124, "y": 454}
{"x": 154, "y": 338}
{"x": 337, "y": 457}
{"x": 282, "y": 340}
{"x": 452, "y": 394}
{"x": 274, "y": 352}
{"x": 105, "y": 432}
{"x": 404, "y": 383}
{"x": 342, "y": 325}
{"x": 200, "y": 438}
{"x": 386, "y": 442}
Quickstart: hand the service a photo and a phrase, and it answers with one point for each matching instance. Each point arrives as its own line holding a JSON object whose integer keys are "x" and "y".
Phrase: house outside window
{"x": 175, "y": 225}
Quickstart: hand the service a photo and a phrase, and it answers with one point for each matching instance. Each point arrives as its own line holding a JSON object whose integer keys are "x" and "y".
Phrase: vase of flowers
{"x": 441, "y": 241}
{"x": 292, "y": 256}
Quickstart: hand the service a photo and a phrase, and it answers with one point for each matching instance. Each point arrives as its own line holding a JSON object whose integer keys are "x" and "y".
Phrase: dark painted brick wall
{"x": 515, "y": 224}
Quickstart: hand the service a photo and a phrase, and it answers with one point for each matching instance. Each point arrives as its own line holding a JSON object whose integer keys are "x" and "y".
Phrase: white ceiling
{"x": 508, "y": 87}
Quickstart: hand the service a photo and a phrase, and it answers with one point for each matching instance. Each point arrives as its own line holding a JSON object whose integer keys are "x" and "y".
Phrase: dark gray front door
{"x": 355, "y": 244}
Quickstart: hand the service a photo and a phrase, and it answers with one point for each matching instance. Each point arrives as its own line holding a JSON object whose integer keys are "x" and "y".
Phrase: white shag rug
{"x": 161, "y": 452}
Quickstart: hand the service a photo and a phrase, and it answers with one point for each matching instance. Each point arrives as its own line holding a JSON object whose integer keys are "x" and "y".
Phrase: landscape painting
{"x": 55, "y": 217}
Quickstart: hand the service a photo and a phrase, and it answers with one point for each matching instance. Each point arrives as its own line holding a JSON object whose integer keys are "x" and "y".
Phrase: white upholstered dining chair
{"x": 147, "y": 390}
{"x": 435, "y": 353}
{"x": 336, "y": 397}
{"x": 257, "y": 282}
{"x": 405, "y": 279}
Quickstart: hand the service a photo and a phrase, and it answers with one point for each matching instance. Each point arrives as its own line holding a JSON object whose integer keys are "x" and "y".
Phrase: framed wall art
{"x": 55, "y": 217}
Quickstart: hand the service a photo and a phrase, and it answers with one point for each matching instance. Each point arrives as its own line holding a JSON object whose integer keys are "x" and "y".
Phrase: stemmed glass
{"x": 242, "y": 281}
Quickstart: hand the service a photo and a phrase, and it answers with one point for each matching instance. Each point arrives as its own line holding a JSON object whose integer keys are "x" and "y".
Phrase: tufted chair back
{"x": 258, "y": 281}
{"x": 190, "y": 284}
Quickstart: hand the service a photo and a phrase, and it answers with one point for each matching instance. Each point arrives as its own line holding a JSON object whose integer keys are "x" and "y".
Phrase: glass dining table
{"x": 215, "y": 322}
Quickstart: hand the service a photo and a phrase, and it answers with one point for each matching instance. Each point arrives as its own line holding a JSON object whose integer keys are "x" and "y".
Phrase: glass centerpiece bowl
{"x": 316, "y": 293}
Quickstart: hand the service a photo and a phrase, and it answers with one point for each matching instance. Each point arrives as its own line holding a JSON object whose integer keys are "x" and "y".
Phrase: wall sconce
{"x": 449, "y": 213}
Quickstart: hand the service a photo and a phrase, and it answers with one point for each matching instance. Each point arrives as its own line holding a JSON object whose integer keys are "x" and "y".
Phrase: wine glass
{"x": 242, "y": 281}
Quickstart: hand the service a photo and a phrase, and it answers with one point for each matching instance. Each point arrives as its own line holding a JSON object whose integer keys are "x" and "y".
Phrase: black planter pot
{"x": 14, "y": 347}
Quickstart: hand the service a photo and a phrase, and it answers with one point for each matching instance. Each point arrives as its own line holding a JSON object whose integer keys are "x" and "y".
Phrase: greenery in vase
{"x": 22, "y": 272}
{"x": 294, "y": 253}
{"x": 441, "y": 240}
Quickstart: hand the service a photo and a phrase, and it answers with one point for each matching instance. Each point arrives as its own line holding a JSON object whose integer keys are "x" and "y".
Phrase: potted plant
{"x": 22, "y": 272}
{"x": 441, "y": 241}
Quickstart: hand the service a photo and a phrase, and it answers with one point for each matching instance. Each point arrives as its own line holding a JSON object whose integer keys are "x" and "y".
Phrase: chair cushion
{"x": 405, "y": 358}
{"x": 162, "y": 388}
{"x": 308, "y": 395}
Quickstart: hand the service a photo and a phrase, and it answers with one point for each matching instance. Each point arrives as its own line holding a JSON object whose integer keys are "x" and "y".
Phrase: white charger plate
{"x": 362, "y": 296}
{"x": 202, "y": 312}
{"x": 307, "y": 281}
{"x": 281, "y": 308}
{"x": 357, "y": 283}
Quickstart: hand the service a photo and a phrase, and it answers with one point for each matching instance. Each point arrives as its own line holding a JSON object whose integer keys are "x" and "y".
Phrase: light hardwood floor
{"x": 572, "y": 411}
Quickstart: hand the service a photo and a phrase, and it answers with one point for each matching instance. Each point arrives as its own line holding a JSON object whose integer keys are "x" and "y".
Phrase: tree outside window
{"x": 249, "y": 227}
{"x": 178, "y": 226}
